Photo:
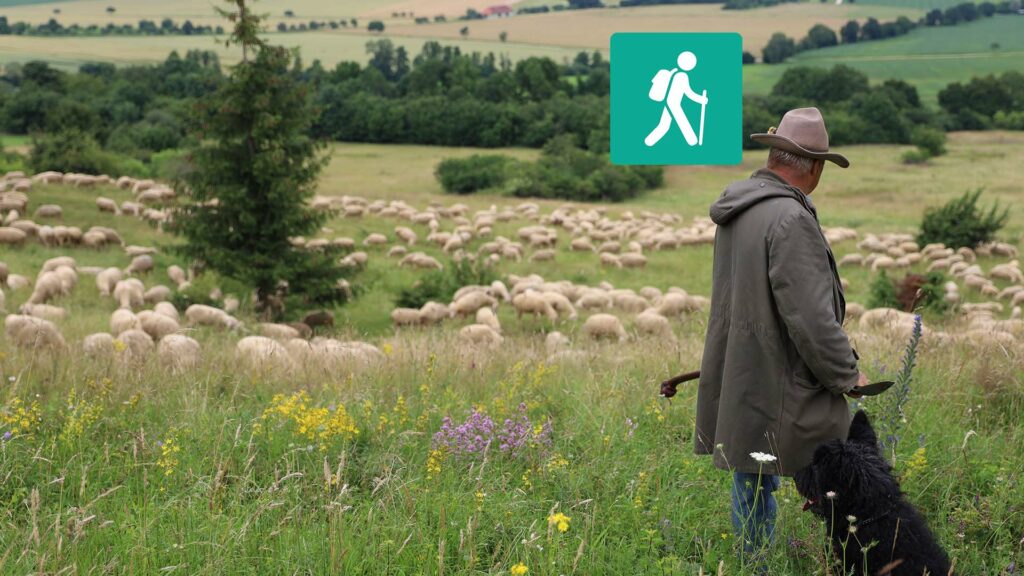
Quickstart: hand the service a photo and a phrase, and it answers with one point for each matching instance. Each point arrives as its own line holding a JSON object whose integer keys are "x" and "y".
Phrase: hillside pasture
{"x": 929, "y": 58}
{"x": 236, "y": 467}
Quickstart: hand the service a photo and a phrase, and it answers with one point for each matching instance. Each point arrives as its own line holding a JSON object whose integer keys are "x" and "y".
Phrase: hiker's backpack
{"x": 659, "y": 84}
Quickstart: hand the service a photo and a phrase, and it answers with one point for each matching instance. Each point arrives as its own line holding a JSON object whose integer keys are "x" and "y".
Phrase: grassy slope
{"x": 237, "y": 500}
{"x": 929, "y": 58}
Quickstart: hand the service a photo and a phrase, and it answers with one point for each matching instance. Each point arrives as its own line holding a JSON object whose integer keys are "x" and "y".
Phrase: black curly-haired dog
{"x": 851, "y": 486}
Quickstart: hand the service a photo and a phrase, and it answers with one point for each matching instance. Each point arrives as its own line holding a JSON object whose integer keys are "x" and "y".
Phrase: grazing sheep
{"x": 106, "y": 205}
{"x": 33, "y": 333}
{"x": 851, "y": 260}
{"x": 556, "y": 342}
{"x": 48, "y": 287}
{"x": 480, "y": 334}
{"x": 176, "y": 274}
{"x": 135, "y": 345}
{"x": 533, "y": 302}
{"x": 651, "y": 323}
{"x": 44, "y": 311}
{"x": 472, "y": 302}
{"x": 854, "y": 311}
{"x": 49, "y": 211}
{"x": 98, "y": 346}
{"x": 140, "y": 264}
{"x": 434, "y": 313}
{"x": 594, "y": 300}
{"x": 277, "y": 331}
{"x": 629, "y": 302}
{"x": 560, "y": 303}
{"x": 608, "y": 259}
{"x": 157, "y": 325}
{"x": 260, "y": 351}
{"x": 601, "y": 326}
{"x": 632, "y": 260}
{"x": 397, "y": 251}
{"x": 375, "y": 239}
{"x": 159, "y": 293}
{"x": 406, "y": 317}
{"x": 675, "y": 304}
{"x": 123, "y": 320}
{"x": 231, "y": 304}
{"x": 179, "y": 352}
{"x": 129, "y": 293}
{"x": 318, "y": 319}
{"x": 17, "y": 282}
{"x": 167, "y": 309}
{"x": 581, "y": 244}
{"x": 203, "y": 315}
{"x": 405, "y": 235}
{"x": 499, "y": 290}
{"x": 487, "y": 317}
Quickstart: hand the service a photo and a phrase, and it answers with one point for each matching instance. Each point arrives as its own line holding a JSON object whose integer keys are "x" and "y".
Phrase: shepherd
{"x": 670, "y": 86}
{"x": 777, "y": 365}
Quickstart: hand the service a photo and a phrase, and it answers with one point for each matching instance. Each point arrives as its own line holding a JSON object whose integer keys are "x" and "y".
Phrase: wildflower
{"x": 557, "y": 462}
{"x": 561, "y": 521}
{"x": 7, "y": 435}
{"x": 480, "y": 499}
{"x": 917, "y": 462}
{"x": 851, "y": 518}
{"x": 21, "y": 418}
{"x": 763, "y": 458}
{"x": 831, "y": 495}
{"x": 168, "y": 460}
{"x": 434, "y": 459}
{"x": 519, "y": 570}
{"x": 527, "y": 478}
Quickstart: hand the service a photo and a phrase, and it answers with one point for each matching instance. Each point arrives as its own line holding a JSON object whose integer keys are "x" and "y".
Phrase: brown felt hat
{"x": 802, "y": 132}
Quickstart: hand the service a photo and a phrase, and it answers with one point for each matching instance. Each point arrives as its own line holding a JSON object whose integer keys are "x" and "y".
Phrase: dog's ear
{"x": 861, "y": 430}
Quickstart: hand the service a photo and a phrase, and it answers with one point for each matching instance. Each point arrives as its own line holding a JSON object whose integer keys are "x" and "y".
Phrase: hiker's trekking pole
{"x": 703, "y": 107}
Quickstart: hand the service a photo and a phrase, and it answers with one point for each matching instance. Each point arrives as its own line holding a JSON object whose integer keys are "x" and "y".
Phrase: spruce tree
{"x": 252, "y": 175}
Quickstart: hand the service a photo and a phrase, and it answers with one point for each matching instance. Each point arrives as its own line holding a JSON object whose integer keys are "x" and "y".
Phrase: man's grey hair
{"x": 780, "y": 157}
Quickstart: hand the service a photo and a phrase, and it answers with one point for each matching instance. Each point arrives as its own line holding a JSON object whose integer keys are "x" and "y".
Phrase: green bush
{"x": 882, "y": 293}
{"x": 916, "y": 156}
{"x": 916, "y": 292}
{"x": 76, "y": 151}
{"x": 928, "y": 140}
{"x": 960, "y": 222}
{"x": 467, "y": 175}
{"x": 441, "y": 285}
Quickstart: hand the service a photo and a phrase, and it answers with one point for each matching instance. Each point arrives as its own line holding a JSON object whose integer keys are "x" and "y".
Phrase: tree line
{"x": 135, "y": 119}
{"x": 166, "y": 27}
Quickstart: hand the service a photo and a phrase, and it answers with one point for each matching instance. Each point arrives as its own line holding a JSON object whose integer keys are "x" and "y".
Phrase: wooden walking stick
{"x": 668, "y": 387}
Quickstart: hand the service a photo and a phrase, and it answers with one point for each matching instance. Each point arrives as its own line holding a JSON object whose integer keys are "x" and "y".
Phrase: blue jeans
{"x": 753, "y": 512}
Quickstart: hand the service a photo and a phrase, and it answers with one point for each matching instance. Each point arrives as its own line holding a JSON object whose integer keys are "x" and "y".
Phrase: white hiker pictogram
{"x": 670, "y": 86}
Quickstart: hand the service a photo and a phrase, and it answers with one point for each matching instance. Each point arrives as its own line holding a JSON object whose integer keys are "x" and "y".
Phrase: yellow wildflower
{"x": 519, "y": 570}
{"x": 21, "y": 418}
{"x": 917, "y": 463}
{"x": 557, "y": 462}
{"x": 168, "y": 460}
{"x": 434, "y": 460}
{"x": 560, "y": 520}
{"x": 527, "y": 479}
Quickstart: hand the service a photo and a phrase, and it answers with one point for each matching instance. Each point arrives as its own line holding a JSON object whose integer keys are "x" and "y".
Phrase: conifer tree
{"x": 252, "y": 175}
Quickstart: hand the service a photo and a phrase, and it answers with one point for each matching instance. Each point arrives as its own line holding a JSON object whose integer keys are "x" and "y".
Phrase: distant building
{"x": 499, "y": 11}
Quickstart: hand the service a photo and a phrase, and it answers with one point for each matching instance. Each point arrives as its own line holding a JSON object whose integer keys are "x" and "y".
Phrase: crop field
{"x": 556, "y": 35}
{"x": 118, "y": 462}
{"x": 929, "y": 58}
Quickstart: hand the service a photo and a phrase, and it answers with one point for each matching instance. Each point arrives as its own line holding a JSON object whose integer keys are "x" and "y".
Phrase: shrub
{"x": 928, "y": 140}
{"x": 75, "y": 151}
{"x": 916, "y": 292}
{"x": 960, "y": 223}
{"x": 915, "y": 156}
{"x": 882, "y": 293}
{"x": 467, "y": 175}
{"x": 441, "y": 285}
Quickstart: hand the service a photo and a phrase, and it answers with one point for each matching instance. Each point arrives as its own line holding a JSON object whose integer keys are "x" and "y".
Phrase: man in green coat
{"x": 777, "y": 364}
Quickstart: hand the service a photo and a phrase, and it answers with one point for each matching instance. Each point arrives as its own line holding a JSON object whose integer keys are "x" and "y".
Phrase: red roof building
{"x": 499, "y": 11}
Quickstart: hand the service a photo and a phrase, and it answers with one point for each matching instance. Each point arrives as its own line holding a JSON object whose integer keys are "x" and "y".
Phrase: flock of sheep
{"x": 144, "y": 323}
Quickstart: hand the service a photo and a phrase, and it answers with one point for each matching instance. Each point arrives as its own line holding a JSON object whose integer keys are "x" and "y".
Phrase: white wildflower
{"x": 830, "y": 494}
{"x": 763, "y": 458}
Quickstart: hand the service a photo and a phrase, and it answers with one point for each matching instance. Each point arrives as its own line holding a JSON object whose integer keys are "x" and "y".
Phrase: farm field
{"x": 228, "y": 467}
{"x": 929, "y": 58}
{"x": 556, "y": 35}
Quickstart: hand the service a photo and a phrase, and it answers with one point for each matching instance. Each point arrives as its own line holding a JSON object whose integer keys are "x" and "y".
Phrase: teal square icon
{"x": 676, "y": 98}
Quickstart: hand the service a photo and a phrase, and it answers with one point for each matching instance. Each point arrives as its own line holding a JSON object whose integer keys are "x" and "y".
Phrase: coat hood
{"x": 762, "y": 185}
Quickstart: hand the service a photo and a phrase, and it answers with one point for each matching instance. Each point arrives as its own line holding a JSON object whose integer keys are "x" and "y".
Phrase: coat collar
{"x": 798, "y": 194}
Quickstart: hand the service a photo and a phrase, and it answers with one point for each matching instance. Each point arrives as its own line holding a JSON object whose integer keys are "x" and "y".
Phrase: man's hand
{"x": 862, "y": 380}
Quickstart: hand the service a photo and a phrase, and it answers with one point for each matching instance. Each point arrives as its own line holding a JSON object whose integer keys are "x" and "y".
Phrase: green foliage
{"x": 375, "y": 26}
{"x": 916, "y": 156}
{"x": 441, "y": 285}
{"x": 929, "y": 141}
{"x": 75, "y": 151}
{"x": 933, "y": 293}
{"x": 882, "y": 293}
{"x": 778, "y": 48}
{"x": 477, "y": 172}
{"x": 960, "y": 223}
{"x": 260, "y": 166}
{"x": 974, "y": 104}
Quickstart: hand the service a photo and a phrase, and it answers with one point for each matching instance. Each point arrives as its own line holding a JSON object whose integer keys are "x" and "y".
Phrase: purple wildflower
{"x": 479, "y": 432}
{"x": 7, "y": 435}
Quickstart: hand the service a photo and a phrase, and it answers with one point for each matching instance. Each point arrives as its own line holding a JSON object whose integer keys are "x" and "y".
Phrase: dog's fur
{"x": 896, "y": 535}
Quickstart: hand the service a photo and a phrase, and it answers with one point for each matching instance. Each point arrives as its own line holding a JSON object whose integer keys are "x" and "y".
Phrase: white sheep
{"x": 601, "y": 326}
{"x": 179, "y": 352}
{"x": 98, "y": 346}
{"x": 277, "y": 331}
{"x": 472, "y": 302}
{"x": 652, "y": 323}
{"x": 158, "y": 293}
{"x": 533, "y": 302}
{"x": 140, "y": 264}
{"x": 129, "y": 293}
{"x": 203, "y": 315}
{"x": 157, "y": 325}
{"x": 406, "y": 317}
{"x": 135, "y": 345}
{"x": 556, "y": 342}
{"x": 487, "y": 317}
{"x": 260, "y": 352}
{"x": 560, "y": 303}
{"x": 480, "y": 334}
{"x": 107, "y": 279}
{"x": 434, "y": 313}
{"x": 44, "y": 311}
{"x": 176, "y": 274}
{"x": 167, "y": 309}
{"x": 33, "y": 333}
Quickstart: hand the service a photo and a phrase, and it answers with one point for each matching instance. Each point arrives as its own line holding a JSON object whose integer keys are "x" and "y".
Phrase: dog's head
{"x": 850, "y": 475}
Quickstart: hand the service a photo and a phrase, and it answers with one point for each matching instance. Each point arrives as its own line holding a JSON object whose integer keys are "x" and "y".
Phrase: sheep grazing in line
{"x": 632, "y": 260}
{"x": 176, "y": 274}
{"x": 480, "y": 334}
{"x": 434, "y": 313}
{"x": 33, "y": 333}
{"x": 158, "y": 293}
{"x": 44, "y": 311}
{"x": 129, "y": 293}
{"x": 106, "y": 205}
{"x": 98, "y": 346}
{"x": 545, "y": 255}
{"x": 560, "y": 303}
{"x": 49, "y": 211}
{"x": 203, "y": 315}
{"x": 11, "y": 236}
{"x": 608, "y": 259}
{"x": 47, "y": 287}
{"x": 179, "y": 352}
{"x": 472, "y": 302}
{"x": 140, "y": 264}
{"x": 167, "y": 309}
{"x": 107, "y": 279}
{"x": 854, "y": 311}
{"x": 122, "y": 320}
{"x": 601, "y": 326}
